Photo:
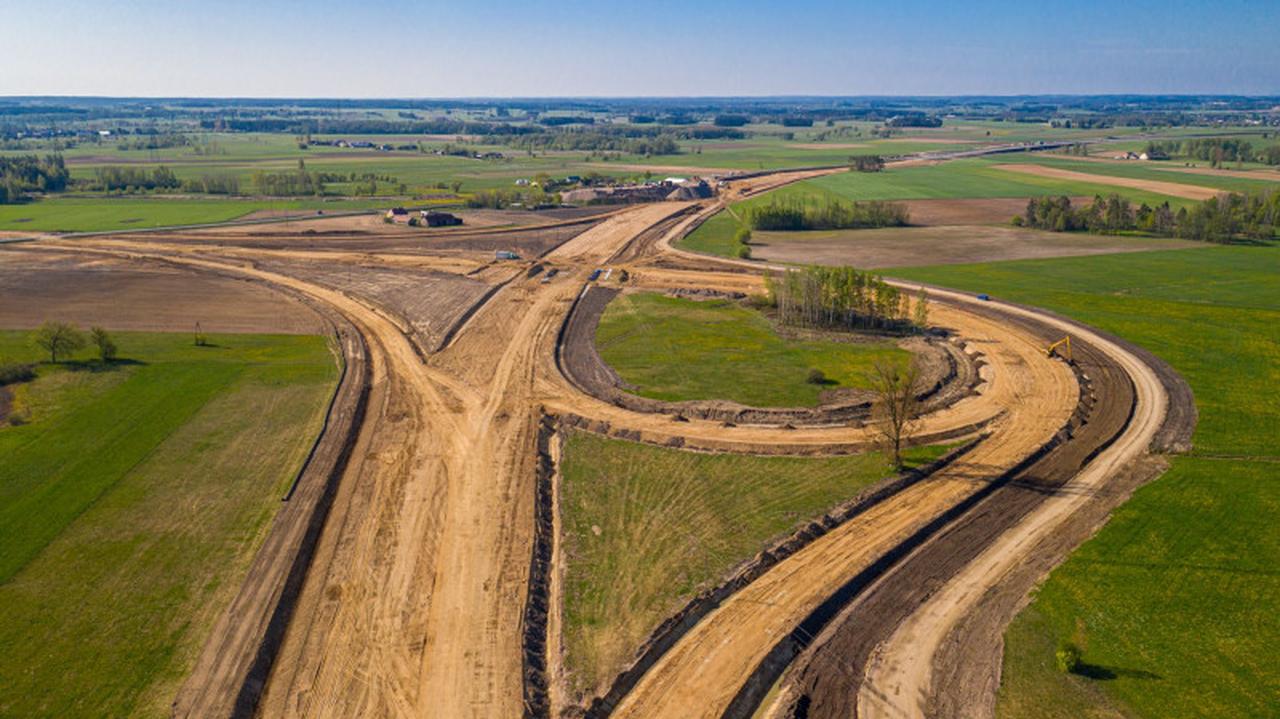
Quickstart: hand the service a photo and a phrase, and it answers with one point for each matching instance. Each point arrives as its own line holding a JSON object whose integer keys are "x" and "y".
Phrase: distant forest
{"x": 28, "y": 173}
{"x": 1216, "y": 151}
{"x": 1228, "y": 218}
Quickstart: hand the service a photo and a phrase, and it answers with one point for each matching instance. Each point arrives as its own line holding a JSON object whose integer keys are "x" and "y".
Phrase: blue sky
{"x": 393, "y": 48}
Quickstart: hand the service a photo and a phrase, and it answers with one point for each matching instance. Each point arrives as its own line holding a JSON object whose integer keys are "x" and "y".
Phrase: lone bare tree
{"x": 893, "y": 413}
{"x": 58, "y": 339}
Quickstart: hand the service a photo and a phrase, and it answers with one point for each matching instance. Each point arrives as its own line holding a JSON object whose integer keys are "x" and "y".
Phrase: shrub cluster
{"x": 794, "y": 215}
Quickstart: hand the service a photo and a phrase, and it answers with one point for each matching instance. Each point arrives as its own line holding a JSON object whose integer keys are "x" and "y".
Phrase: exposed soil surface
{"x": 944, "y": 245}
{"x": 526, "y": 241}
{"x": 971, "y": 211}
{"x": 426, "y": 304}
{"x": 131, "y": 296}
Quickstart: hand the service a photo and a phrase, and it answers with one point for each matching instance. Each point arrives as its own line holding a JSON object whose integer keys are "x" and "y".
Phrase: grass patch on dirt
{"x": 1176, "y": 600}
{"x": 132, "y": 499}
{"x": 675, "y": 349}
{"x": 647, "y": 527}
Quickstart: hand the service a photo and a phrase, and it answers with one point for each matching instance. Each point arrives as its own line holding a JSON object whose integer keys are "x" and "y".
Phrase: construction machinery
{"x": 1062, "y": 346}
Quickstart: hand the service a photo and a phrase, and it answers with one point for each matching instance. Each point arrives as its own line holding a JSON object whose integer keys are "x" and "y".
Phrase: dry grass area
{"x": 646, "y": 527}
{"x": 943, "y": 245}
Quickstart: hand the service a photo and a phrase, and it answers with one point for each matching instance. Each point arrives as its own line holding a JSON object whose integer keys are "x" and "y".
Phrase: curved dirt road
{"x": 703, "y": 673}
{"x": 897, "y": 681}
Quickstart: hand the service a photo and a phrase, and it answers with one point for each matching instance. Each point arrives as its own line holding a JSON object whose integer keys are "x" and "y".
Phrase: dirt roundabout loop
{"x": 413, "y": 572}
{"x": 948, "y": 375}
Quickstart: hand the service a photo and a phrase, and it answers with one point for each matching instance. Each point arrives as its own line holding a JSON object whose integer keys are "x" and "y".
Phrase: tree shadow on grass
{"x": 99, "y": 365}
{"x": 1099, "y": 672}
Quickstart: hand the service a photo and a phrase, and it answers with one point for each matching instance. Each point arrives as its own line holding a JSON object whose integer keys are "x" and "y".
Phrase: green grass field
{"x": 958, "y": 179}
{"x": 1160, "y": 171}
{"x": 978, "y": 178}
{"x": 646, "y": 527}
{"x": 676, "y": 349}
{"x": 1176, "y": 602}
{"x": 132, "y": 498}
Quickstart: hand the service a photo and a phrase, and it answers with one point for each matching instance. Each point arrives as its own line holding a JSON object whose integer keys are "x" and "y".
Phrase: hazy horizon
{"x": 275, "y": 49}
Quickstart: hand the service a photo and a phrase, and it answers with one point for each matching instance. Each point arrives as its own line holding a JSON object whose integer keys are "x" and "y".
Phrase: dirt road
{"x": 705, "y": 671}
{"x": 897, "y": 682}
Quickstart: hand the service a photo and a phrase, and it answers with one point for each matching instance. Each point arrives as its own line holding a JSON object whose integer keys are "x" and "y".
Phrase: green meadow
{"x": 677, "y": 349}
{"x": 132, "y": 498}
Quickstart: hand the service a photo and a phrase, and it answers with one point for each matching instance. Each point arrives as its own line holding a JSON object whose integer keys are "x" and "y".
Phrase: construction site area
{"x": 419, "y": 566}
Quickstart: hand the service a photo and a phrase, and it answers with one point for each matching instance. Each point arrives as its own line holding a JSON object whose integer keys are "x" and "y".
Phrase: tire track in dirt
{"x": 921, "y": 669}
{"x": 826, "y": 678}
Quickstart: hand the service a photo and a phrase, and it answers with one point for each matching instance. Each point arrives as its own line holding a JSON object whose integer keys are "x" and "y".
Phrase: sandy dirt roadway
{"x": 897, "y": 682}
{"x": 704, "y": 671}
{"x": 357, "y": 644}
{"x": 412, "y": 601}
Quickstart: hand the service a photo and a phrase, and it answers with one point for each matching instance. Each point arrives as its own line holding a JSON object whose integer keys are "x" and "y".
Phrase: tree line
{"x": 154, "y": 142}
{"x": 1221, "y": 219}
{"x": 1216, "y": 150}
{"x": 796, "y": 215}
{"x": 28, "y": 173}
{"x": 840, "y": 297}
{"x": 591, "y": 141}
{"x": 131, "y": 179}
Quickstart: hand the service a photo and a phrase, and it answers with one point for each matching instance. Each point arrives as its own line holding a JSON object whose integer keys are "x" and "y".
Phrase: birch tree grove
{"x": 837, "y": 297}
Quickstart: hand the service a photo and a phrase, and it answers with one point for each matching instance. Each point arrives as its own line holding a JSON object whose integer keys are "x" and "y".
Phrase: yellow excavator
{"x": 1063, "y": 346}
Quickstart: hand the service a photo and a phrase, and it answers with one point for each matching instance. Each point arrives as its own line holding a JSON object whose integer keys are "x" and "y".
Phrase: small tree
{"x": 106, "y": 346}
{"x": 816, "y": 376}
{"x": 59, "y": 339}
{"x": 894, "y": 410}
{"x": 742, "y": 236}
{"x": 744, "y": 252}
{"x": 1067, "y": 657}
{"x": 920, "y": 311}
